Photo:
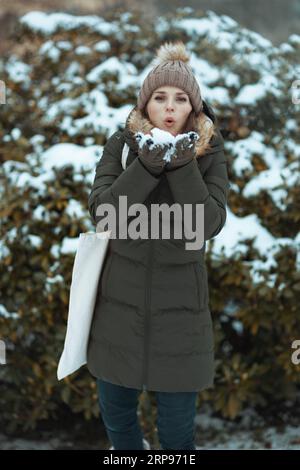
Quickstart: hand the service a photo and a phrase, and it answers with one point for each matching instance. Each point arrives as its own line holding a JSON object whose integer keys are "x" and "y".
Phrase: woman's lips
{"x": 169, "y": 122}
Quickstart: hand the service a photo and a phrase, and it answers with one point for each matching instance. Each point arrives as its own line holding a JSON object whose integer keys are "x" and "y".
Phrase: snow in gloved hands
{"x": 161, "y": 137}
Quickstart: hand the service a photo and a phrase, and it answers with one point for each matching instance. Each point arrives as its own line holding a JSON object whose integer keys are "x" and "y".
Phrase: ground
{"x": 251, "y": 432}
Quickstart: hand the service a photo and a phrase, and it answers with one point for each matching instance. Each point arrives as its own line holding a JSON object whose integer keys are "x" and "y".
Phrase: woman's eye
{"x": 160, "y": 98}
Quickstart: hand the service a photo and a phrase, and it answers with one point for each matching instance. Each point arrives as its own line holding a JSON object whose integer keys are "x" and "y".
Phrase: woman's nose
{"x": 170, "y": 106}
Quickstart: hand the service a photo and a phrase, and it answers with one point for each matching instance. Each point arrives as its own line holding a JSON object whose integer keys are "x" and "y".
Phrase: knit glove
{"x": 152, "y": 155}
{"x": 184, "y": 151}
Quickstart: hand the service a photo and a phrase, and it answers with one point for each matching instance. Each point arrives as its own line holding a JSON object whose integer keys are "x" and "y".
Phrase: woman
{"x": 152, "y": 327}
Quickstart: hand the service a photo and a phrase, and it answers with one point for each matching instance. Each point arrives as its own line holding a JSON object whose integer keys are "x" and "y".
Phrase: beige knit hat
{"x": 171, "y": 68}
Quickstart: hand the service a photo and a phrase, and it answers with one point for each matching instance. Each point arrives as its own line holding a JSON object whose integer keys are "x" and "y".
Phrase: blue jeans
{"x": 175, "y": 417}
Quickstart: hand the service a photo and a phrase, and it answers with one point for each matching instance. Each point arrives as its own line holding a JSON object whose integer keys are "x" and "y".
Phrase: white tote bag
{"x": 90, "y": 255}
{"x": 87, "y": 268}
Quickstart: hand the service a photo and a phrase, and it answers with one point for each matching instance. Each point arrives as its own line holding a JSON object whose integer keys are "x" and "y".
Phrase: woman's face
{"x": 169, "y": 101}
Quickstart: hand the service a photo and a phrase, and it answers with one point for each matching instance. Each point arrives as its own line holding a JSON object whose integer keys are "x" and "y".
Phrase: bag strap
{"x": 124, "y": 155}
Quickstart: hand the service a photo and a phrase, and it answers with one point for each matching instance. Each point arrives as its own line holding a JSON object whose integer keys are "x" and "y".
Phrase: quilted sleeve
{"x": 190, "y": 187}
{"x": 111, "y": 181}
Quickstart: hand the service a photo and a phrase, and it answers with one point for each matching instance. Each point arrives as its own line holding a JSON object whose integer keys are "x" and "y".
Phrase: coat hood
{"x": 205, "y": 126}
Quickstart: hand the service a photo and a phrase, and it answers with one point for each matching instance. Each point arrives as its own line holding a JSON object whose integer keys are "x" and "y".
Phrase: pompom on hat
{"x": 172, "y": 68}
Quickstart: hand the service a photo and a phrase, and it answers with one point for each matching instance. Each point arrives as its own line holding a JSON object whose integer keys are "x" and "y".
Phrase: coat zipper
{"x": 147, "y": 318}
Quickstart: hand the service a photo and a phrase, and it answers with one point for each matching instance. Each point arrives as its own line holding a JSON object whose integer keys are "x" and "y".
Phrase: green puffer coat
{"x": 152, "y": 327}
